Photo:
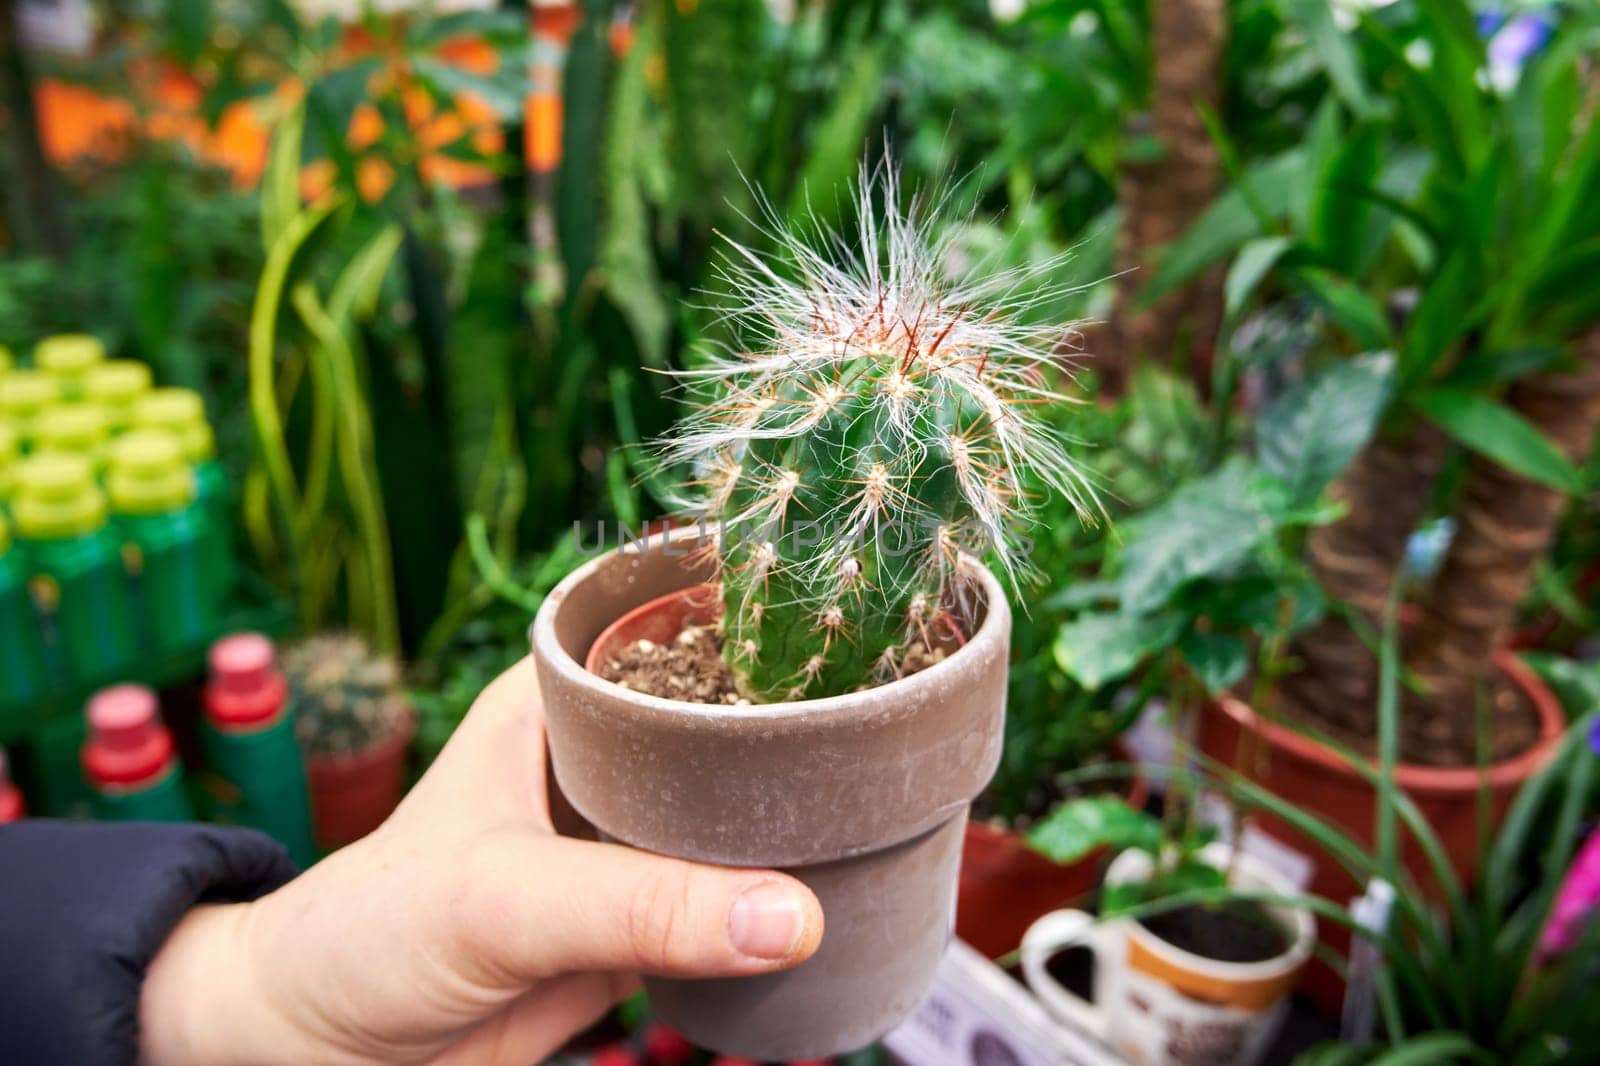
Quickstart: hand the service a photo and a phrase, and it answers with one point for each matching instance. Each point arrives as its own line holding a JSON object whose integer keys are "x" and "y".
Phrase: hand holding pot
{"x": 464, "y": 929}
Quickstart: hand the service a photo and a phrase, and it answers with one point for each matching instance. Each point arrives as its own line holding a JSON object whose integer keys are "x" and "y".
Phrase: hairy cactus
{"x": 346, "y": 698}
{"x": 874, "y": 420}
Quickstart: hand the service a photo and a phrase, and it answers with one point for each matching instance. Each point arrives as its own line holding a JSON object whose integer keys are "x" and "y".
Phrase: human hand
{"x": 463, "y": 929}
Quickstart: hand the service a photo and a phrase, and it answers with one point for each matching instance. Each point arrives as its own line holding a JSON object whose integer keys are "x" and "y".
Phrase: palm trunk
{"x": 1505, "y": 523}
{"x": 1356, "y": 559}
{"x": 1162, "y": 198}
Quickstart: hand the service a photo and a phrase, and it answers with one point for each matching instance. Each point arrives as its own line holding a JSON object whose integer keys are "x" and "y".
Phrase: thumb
{"x": 579, "y": 907}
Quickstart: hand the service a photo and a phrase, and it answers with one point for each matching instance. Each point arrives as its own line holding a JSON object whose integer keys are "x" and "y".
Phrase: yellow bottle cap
{"x": 117, "y": 386}
{"x": 149, "y": 474}
{"x": 69, "y": 353}
{"x": 56, "y": 498}
{"x": 78, "y": 428}
{"x": 24, "y": 393}
{"x": 179, "y": 411}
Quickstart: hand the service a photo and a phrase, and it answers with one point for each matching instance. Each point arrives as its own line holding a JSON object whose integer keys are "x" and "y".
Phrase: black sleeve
{"x": 84, "y": 907}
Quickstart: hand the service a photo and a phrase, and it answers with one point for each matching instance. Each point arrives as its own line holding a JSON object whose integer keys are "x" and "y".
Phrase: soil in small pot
{"x": 691, "y": 667}
{"x": 1236, "y": 931}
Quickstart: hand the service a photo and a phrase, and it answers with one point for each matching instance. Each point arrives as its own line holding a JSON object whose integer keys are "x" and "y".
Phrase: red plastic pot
{"x": 1006, "y": 886}
{"x": 351, "y": 795}
{"x": 1317, "y": 779}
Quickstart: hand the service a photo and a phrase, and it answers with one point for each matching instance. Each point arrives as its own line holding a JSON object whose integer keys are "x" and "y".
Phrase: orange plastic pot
{"x": 351, "y": 795}
{"x": 1006, "y": 886}
{"x": 1317, "y": 779}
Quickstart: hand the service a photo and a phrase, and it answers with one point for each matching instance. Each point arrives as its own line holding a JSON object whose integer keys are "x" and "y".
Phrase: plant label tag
{"x": 977, "y": 1016}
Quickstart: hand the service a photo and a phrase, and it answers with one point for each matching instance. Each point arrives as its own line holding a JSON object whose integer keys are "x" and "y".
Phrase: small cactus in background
{"x": 346, "y": 697}
{"x": 879, "y": 420}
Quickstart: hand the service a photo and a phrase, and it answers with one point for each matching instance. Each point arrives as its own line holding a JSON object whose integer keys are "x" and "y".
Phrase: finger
{"x": 541, "y": 1021}
{"x": 493, "y": 768}
{"x": 539, "y": 907}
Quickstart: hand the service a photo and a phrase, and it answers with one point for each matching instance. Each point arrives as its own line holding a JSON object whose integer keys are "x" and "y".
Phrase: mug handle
{"x": 1045, "y": 937}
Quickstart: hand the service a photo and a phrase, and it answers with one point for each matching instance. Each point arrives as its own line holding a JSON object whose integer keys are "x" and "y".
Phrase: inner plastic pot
{"x": 863, "y": 797}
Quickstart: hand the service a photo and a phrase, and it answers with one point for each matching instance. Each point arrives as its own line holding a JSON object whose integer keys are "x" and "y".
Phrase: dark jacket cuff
{"x": 84, "y": 907}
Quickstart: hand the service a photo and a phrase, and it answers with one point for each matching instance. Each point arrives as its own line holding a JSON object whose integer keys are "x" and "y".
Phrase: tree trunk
{"x": 1163, "y": 197}
{"x": 1504, "y": 525}
{"x": 41, "y": 215}
{"x": 1356, "y": 560}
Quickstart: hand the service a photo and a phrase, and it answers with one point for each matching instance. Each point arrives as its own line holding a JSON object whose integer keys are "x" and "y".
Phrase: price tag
{"x": 977, "y": 1016}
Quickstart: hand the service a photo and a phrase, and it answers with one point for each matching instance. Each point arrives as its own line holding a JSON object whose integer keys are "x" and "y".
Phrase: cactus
{"x": 346, "y": 698}
{"x": 872, "y": 421}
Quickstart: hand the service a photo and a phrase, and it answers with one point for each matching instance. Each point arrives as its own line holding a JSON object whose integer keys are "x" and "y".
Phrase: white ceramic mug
{"x": 1158, "y": 1005}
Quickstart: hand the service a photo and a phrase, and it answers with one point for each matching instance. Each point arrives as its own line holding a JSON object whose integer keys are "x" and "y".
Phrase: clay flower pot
{"x": 351, "y": 795}
{"x": 1006, "y": 885}
{"x": 1317, "y": 779}
{"x": 863, "y": 797}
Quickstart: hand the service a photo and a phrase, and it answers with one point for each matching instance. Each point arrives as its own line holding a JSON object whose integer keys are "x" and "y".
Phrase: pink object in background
{"x": 1577, "y": 901}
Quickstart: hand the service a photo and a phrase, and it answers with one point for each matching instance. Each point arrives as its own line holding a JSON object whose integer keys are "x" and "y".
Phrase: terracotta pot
{"x": 1317, "y": 779}
{"x": 351, "y": 795}
{"x": 1006, "y": 885}
{"x": 863, "y": 797}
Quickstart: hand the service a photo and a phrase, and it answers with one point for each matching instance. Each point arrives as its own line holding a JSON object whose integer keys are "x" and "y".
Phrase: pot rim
{"x": 1417, "y": 777}
{"x": 1289, "y": 960}
{"x": 905, "y": 691}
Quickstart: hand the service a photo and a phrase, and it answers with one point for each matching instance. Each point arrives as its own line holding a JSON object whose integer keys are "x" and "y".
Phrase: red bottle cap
{"x": 128, "y": 744}
{"x": 246, "y": 686}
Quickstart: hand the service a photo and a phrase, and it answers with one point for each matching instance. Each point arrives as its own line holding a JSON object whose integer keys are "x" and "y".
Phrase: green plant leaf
{"x": 1207, "y": 527}
{"x": 1335, "y": 51}
{"x": 1348, "y": 306}
{"x": 1096, "y": 648}
{"x": 1312, "y": 432}
{"x": 836, "y": 142}
{"x": 1254, "y": 261}
{"x": 1482, "y": 370}
{"x": 1499, "y": 433}
{"x": 1219, "y": 660}
{"x": 280, "y": 187}
{"x": 1081, "y": 826}
{"x": 1430, "y": 1049}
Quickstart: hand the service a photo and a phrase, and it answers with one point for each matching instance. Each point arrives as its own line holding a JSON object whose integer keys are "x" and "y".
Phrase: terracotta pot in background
{"x": 863, "y": 797}
{"x": 1006, "y": 885}
{"x": 1315, "y": 778}
{"x": 351, "y": 795}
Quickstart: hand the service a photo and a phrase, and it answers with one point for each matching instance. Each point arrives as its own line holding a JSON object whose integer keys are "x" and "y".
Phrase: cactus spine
{"x": 876, "y": 420}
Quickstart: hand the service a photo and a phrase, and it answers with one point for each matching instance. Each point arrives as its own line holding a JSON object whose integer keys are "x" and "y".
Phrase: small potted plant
{"x": 354, "y": 724}
{"x": 814, "y": 679}
{"x": 1196, "y": 947}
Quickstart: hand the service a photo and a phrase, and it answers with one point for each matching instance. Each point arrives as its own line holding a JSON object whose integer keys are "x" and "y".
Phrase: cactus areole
{"x": 872, "y": 421}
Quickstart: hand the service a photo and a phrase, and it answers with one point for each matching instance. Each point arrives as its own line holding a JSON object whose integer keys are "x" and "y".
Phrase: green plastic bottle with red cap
{"x": 80, "y": 587}
{"x": 165, "y": 533}
{"x": 22, "y": 675}
{"x": 129, "y": 761}
{"x": 183, "y": 413}
{"x": 69, "y": 358}
{"x": 255, "y": 774}
{"x": 12, "y": 807}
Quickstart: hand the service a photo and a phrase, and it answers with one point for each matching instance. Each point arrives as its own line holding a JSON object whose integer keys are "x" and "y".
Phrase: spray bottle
{"x": 116, "y": 386}
{"x": 23, "y": 395}
{"x": 256, "y": 775}
{"x": 129, "y": 759}
{"x": 73, "y": 429}
{"x": 22, "y": 676}
{"x": 181, "y": 412}
{"x": 69, "y": 357}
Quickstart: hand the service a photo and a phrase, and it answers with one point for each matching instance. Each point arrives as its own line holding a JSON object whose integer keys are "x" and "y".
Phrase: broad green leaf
{"x": 1096, "y": 648}
{"x": 503, "y": 91}
{"x": 836, "y": 142}
{"x": 1351, "y": 309}
{"x": 1486, "y": 369}
{"x": 1209, "y": 526}
{"x": 280, "y": 187}
{"x": 1081, "y": 826}
{"x": 1335, "y": 50}
{"x": 1499, "y": 433}
{"x": 1430, "y": 1049}
{"x": 1312, "y": 432}
{"x": 1219, "y": 660}
{"x": 356, "y": 290}
{"x": 1254, "y": 261}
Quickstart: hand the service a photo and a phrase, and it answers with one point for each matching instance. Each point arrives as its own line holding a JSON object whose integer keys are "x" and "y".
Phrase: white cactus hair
{"x": 881, "y": 289}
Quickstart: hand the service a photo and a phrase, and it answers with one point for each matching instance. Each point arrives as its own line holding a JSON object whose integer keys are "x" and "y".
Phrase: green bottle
{"x": 23, "y": 395}
{"x": 116, "y": 386}
{"x": 181, "y": 411}
{"x": 80, "y": 587}
{"x": 73, "y": 429}
{"x": 22, "y": 678}
{"x": 255, "y": 772}
{"x": 165, "y": 534}
{"x": 129, "y": 759}
{"x": 68, "y": 358}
